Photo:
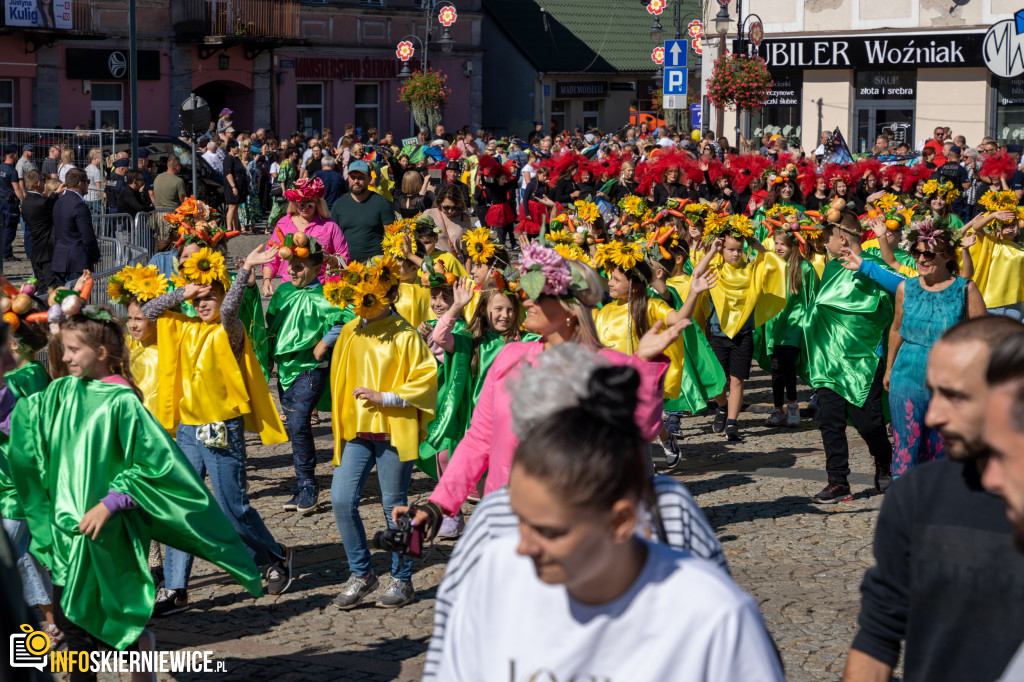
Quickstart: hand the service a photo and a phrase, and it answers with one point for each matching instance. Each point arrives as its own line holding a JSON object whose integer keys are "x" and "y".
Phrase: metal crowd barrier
{"x": 137, "y": 255}
{"x": 110, "y": 252}
{"x": 113, "y": 225}
{"x": 98, "y": 295}
{"x": 148, "y": 229}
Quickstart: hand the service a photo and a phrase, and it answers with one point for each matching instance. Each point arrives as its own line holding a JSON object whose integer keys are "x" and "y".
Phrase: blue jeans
{"x": 298, "y": 402}
{"x": 347, "y": 487}
{"x": 1014, "y": 311}
{"x": 35, "y": 584}
{"x": 28, "y": 239}
{"x": 226, "y": 467}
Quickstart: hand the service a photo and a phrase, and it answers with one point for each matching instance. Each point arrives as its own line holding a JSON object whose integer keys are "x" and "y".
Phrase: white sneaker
{"x": 793, "y": 414}
{"x": 777, "y": 418}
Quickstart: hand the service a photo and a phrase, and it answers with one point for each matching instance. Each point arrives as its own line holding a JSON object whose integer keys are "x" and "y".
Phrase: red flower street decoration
{"x": 695, "y": 28}
{"x": 405, "y": 50}
{"x": 739, "y": 82}
{"x": 656, "y": 7}
{"x": 447, "y": 15}
{"x": 658, "y": 56}
{"x": 697, "y": 46}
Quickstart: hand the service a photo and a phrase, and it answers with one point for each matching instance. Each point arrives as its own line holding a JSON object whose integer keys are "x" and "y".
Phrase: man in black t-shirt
{"x": 115, "y": 183}
{"x": 953, "y": 172}
{"x": 236, "y": 186}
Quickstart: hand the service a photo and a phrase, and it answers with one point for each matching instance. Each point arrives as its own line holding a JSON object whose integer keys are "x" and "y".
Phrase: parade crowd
{"x": 521, "y": 319}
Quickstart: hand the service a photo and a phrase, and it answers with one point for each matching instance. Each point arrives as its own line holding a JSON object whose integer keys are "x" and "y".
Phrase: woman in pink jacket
{"x": 307, "y": 212}
{"x": 560, "y": 295}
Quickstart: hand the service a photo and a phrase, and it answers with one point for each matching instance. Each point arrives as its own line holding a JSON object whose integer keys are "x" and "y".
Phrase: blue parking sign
{"x": 674, "y": 82}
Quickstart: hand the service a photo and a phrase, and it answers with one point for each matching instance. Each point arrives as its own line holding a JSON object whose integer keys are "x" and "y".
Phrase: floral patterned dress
{"x": 926, "y": 316}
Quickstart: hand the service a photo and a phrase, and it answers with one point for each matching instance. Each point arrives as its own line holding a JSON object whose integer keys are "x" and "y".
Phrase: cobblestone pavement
{"x": 802, "y": 562}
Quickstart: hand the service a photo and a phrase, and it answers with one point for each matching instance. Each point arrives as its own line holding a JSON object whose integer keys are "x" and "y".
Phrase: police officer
{"x": 11, "y": 193}
{"x": 115, "y": 183}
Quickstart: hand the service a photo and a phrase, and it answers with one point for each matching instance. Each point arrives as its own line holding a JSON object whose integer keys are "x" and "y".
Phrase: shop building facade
{"x": 872, "y": 65}
{"x": 278, "y": 64}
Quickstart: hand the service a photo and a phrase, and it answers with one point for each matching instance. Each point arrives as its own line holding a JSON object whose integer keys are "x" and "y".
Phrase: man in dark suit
{"x": 37, "y": 212}
{"x": 74, "y": 243}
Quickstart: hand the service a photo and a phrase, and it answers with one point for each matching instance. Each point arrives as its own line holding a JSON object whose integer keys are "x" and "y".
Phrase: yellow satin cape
{"x": 614, "y": 331}
{"x": 757, "y": 287}
{"x": 387, "y": 356}
{"x": 201, "y": 382}
{"x": 144, "y": 364}
{"x": 413, "y": 303}
{"x": 451, "y": 263}
{"x": 998, "y": 270}
{"x": 904, "y": 270}
{"x": 818, "y": 262}
{"x": 471, "y": 306}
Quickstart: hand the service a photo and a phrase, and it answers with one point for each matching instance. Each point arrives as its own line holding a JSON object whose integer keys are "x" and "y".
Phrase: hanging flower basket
{"x": 657, "y": 97}
{"x": 739, "y": 82}
{"x": 425, "y": 93}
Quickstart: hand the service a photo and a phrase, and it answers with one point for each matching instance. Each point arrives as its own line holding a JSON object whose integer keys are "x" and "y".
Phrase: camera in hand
{"x": 405, "y": 539}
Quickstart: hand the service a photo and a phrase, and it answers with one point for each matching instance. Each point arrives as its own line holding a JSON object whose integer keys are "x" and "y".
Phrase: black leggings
{"x": 784, "y": 373}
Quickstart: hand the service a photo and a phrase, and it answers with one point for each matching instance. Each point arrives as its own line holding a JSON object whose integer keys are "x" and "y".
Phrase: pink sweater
{"x": 489, "y": 444}
{"x": 326, "y": 232}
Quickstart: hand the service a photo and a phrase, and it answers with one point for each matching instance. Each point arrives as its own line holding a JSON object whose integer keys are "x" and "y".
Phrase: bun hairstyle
{"x": 591, "y": 454}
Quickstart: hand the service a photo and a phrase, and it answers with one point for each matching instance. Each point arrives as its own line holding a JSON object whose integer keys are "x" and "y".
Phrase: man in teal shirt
{"x": 362, "y": 214}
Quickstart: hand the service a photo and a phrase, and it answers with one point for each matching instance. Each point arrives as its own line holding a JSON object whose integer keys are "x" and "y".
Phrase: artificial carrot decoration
{"x": 672, "y": 211}
{"x": 665, "y": 234}
{"x": 37, "y": 317}
{"x": 181, "y": 240}
{"x": 232, "y": 233}
{"x": 770, "y": 221}
{"x": 86, "y": 289}
{"x": 813, "y": 214}
{"x": 216, "y": 238}
{"x": 664, "y": 252}
{"x": 9, "y": 288}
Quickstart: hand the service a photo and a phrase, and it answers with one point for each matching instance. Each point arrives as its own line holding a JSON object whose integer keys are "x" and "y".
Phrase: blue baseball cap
{"x": 359, "y": 167}
{"x": 143, "y": 153}
{"x": 10, "y": 148}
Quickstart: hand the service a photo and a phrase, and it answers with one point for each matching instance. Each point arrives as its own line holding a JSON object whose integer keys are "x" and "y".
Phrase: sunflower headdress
{"x": 1006, "y": 200}
{"x": 620, "y": 255}
{"x": 205, "y": 266}
{"x": 944, "y": 189}
{"x": 897, "y": 211}
{"x": 479, "y": 246}
{"x": 725, "y": 225}
{"x": 394, "y": 238}
{"x": 366, "y": 288}
{"x": 197, "y": 223}
{"x": 633, "y": 205}
{"x": 136, "y": 282}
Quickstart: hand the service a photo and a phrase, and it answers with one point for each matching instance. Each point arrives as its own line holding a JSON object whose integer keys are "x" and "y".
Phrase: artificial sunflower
{"x": 205, "y": 267}
{"x": 478, "y": 245}
{"x": 338, "y": 293}
{"x": 628, "y": 255}
{"x": 149, "y": 287}
{"x": 633, "y": 205}
{"x": 368, "y": 303}
{"x": 741, "y": 225}
{"x": 116, "y": 290}
{"x": 353, "y": 274}
{"x": 559, "y": 237}
{"x": 381, "y": 276}
{"x": 573, "y": 251}
{"x": 587, "y": 211}
{"x": 780, "y": 211}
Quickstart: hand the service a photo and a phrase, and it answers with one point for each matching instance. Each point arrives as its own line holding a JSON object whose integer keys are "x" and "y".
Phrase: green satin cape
{"x": 703, "y": 376}
{"x": 849, "y": 321}
{"x": 297, "y": 319}
{"x": 21, "y": 382}
{"x": 786, "y": 328}
{"x": 73, "y": 443}
{"x": 452, "y": 417}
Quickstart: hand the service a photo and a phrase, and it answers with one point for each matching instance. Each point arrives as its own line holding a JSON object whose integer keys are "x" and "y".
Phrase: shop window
{"x": 367, "y": 106}
{"x": 781, "y": 113}
{"x": 107, "y": 105}
{"x": 1009, "y": 109}
{"x": 558, "y": 114}
{"x": 591, "y": 113}
{"x": 7, "y": 104}
{"x": 309, "y": 98}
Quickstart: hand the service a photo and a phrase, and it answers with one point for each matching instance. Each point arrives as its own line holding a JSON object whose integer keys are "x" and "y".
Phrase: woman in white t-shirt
{"x": 526, "y": 173}
{"x": 67, "y": 162}
{"x": 576, "y": 594}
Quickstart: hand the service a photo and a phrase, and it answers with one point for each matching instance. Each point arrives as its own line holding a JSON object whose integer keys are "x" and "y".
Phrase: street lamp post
{"x": 740, "y": 50}
{"x": 722, "y": 22}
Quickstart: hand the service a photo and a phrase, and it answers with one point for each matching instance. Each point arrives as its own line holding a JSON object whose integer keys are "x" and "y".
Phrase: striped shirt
{"x": 686, "y": 529}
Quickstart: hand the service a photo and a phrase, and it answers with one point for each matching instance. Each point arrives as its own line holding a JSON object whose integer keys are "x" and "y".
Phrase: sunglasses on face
{"x": 920, "y": 254}
{"x": 448, "y": 208}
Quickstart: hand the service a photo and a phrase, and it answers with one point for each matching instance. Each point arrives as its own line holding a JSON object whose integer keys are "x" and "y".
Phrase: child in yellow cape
{"x": 383, "y": 396}
{"x": 132, "y": 287}
{"x": 748, "y": 295}
{"x": 211, "y": 391}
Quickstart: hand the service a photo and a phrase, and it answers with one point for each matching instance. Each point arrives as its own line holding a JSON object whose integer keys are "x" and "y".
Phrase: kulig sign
{"x": 874, "y": 51}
